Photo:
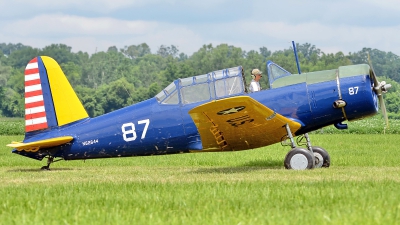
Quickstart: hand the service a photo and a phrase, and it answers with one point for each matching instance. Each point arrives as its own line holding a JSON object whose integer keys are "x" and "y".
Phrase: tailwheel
{"x": 322, "y": 158}
{"x": 45, "y": 168}
{"x": 50, "y": 160}
{"x": 299, "y": 159}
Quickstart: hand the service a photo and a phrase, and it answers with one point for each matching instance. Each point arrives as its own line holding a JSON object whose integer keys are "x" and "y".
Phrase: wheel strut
{"x": 308, "y": 143}
{"x": 289, "y": 134}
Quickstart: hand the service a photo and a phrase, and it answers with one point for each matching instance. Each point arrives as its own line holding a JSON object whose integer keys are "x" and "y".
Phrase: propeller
{"x": 380, "y": 88}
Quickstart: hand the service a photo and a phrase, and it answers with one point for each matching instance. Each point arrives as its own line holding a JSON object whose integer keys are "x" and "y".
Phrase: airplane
{"x": 206, "y": 113}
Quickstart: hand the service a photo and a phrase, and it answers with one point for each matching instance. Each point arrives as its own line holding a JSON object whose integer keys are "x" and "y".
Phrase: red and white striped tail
{"x": 35, "y": 113}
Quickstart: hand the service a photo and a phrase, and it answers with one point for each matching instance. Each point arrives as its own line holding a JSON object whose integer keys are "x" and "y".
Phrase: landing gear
{"x": 300, "y": 158}
{"x": 50, "y": 160}
{"x": 45, "y": 167}
{"x": 322, "y": 158}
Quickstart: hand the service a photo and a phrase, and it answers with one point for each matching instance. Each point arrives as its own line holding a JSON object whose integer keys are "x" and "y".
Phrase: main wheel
{"x": 322, "y": 158}
{"x": 299, "y": 159}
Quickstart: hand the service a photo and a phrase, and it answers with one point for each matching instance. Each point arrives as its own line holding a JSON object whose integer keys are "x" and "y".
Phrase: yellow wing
{"x": 239, "y": 123}
{"x": 36, "y": 145}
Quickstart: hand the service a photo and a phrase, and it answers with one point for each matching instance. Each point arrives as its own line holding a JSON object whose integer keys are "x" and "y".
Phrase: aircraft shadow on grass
{"x": 247, "y": 167}
{"x": 39, "y": 170}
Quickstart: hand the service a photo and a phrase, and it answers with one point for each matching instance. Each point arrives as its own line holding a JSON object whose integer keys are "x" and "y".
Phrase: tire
{"x": 322, "y": 158}
{"x": 299, "y": 159}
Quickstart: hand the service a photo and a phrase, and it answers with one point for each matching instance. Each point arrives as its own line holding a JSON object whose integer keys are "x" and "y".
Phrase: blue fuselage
{"x": 150, "y": 127}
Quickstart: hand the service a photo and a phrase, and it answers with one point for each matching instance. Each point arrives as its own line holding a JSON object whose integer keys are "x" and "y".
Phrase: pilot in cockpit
{"x": 256, "y": 76}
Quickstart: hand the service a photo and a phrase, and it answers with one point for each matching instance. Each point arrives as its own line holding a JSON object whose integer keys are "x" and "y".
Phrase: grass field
{"x": 362, "y": 186}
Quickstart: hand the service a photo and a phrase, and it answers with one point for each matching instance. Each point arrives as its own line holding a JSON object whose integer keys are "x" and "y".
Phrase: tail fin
{"x": 50, "y": 100}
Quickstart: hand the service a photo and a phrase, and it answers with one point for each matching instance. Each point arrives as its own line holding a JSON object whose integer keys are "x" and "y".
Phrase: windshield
{"x": 275, "y": 71}
{"x": 168, "y": 95}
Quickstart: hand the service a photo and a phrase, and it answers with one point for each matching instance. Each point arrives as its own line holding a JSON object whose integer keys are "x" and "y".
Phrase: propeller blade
{"x": 384, "y": 112}
{"x": 379, "y": 89}
{"x": 376, "y": 82}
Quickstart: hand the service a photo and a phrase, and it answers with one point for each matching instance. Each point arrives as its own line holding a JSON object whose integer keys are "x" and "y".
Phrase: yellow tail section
{"x": 67, "y": 106}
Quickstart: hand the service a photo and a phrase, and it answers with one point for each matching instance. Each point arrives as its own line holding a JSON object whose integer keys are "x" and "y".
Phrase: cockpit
{"x": 214, "y": 85}
{"x": 221, "y": 84}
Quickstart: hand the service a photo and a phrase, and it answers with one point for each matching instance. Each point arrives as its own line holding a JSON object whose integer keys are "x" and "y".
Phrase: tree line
{"x": 106, "y": 81}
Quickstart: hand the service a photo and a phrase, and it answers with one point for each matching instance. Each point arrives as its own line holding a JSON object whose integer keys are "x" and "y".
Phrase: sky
{"x": 95, "y": 25}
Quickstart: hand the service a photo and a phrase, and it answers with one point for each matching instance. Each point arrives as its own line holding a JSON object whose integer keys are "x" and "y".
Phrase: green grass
{"x": 12, "y": 126}
{"x": 370, "y": 125}
{"x": 248, "y": 187}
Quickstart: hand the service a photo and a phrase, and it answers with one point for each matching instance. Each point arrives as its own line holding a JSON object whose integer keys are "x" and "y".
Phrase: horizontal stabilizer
{"x": 36, "y": 145}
